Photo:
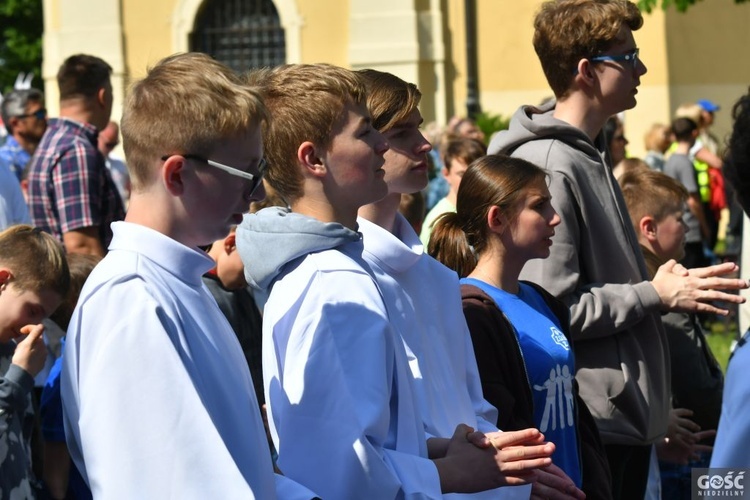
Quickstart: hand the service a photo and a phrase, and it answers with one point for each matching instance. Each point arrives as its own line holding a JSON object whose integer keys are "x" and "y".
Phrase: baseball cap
{"x": 708, "y": 105}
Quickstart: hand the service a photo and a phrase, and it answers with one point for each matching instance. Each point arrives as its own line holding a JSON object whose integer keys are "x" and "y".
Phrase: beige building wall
{"x": 510, "y": 74}
{"x": 404, "y": 38}
{"x": 689, "y": 56}
{"x": 69, "y": 29}
{"x": 707, "y": 47}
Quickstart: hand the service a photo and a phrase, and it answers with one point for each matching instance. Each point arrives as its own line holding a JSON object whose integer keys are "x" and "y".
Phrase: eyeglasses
{"x": 256, "y": 179}
{"x": 631, "y": 57}
{"x": 39, "y": 114}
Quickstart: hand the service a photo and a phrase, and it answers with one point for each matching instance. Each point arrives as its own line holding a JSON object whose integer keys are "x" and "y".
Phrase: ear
{"x": 101, "y": 96}
{"x": 308, "y": 157}
{"x": 586, "y": 73}
{"x": 230, "y": 243}
{"x": 172, "y": 175}
{"x": 5, "y": 277}
{"x": 496, "y": 220}
{"x": 13, "y": 121}
{"x": 647, "y": 228}
{"x": 445, "y": 172}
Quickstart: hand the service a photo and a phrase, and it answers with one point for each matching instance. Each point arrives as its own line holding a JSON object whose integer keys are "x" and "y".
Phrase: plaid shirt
{"x": 14, "y": 156}
{"x": 69, "y": 186}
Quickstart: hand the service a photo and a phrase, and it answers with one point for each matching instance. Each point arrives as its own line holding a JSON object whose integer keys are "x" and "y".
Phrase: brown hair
{"x": 35, "y": 258}
{"x": 390, "y": 99}
{"x": 494, "y": 180}
{"x": 80, "y": 266}
{"x": 82, "y": 75}
{"x": 187, "y": 103}
{"x": 683, "y": 129}
{"x": 306, "y": 102}
{"x": 462, "y": 148}
{"x": 651, "y": 193}
{"x": 566, "y": 31}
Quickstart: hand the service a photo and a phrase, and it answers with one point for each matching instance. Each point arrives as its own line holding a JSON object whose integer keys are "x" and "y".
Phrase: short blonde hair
{"x": 627, "y": 165}
{"x": 187, "y": 103}
{"x": 655, "y": 137}
{"x": 691, "y": 111}
{"x": 306, "y": 102}
{"x": 35, "y": 258}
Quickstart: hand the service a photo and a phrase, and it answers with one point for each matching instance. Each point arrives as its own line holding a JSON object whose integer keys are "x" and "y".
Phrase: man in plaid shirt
{"x": 71, "y": 193}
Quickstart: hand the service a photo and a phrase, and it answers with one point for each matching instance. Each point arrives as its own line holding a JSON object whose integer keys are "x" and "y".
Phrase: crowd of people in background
{"x": 408, "y": 310}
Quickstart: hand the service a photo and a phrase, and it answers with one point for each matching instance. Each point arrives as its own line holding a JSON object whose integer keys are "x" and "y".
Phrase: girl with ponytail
{"x": 503, "y": 219}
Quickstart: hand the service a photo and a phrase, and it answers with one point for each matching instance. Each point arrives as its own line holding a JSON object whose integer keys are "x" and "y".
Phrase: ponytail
{"x": 450, "y": 246}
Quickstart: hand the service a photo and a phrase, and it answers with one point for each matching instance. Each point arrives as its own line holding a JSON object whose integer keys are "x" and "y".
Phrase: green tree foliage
{"x": 21, "y": 27}
{"x": 490, "y": 123}
{"x": 680, "y": 5}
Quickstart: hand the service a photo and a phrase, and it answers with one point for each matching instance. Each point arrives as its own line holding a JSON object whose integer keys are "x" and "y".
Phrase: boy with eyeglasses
{"x": 590, "y": 59}
{"x": 158, "y": 400}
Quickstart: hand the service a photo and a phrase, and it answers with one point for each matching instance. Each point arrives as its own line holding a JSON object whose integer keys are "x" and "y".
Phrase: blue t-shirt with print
{"x": 550, "y": 366}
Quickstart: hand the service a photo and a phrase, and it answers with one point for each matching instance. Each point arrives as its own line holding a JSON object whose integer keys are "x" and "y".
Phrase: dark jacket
{"x": 505, "y": 382}
{"x": 697, "y": 379}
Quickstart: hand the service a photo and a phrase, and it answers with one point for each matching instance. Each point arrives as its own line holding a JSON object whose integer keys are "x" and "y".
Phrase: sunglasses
{"x": 39, "y": 114}
{"x": 255, "y": 179}
{"x": 631, "y": 57}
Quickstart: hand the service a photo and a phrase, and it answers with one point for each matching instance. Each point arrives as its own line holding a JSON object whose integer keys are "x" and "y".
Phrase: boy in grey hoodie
{"x": 342, "y": 410}
{"x": 590, "y": 59}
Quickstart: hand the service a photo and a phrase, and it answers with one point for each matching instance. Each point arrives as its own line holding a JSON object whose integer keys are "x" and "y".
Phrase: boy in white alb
{"x": 423, "y": 295}
{"x": 157, "y": 398}
{"x": 342, "y": 409}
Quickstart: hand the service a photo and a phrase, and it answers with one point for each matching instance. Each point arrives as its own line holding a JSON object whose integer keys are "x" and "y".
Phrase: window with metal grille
{"x": 242, "y": 34}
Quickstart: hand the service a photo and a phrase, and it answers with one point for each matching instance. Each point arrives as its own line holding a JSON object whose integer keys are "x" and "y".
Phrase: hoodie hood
{"x": 273, "y": 237}
{"x": 531, "y": 123}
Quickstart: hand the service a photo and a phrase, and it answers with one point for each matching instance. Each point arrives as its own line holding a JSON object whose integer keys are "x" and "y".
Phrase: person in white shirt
{"x": 424, "y": 295}
{"x": 343, "y": 412}
{"x": 158, "y": 401}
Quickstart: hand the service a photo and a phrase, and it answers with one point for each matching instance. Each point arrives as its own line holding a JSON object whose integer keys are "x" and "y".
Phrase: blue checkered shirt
{"x": 70, "y": 187}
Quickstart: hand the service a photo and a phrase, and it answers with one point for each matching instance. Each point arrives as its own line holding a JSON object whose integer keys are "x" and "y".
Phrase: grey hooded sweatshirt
{"x": 597, "y": 269}
{"x": 273, "y": 237}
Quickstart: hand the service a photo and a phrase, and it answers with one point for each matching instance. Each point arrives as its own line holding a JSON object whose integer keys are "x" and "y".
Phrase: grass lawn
{"x": 720, "y": 337}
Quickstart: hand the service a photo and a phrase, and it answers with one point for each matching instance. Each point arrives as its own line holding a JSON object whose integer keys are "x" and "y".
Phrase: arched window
{"x": 242, "y": 34}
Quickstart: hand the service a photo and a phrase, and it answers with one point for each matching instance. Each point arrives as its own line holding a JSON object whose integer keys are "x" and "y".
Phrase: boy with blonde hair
{"x": 657, "y": 206}
{"x": 158, "y": 400}
{"x": 342, "y": 410}
{"x": 34, "y": 278}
